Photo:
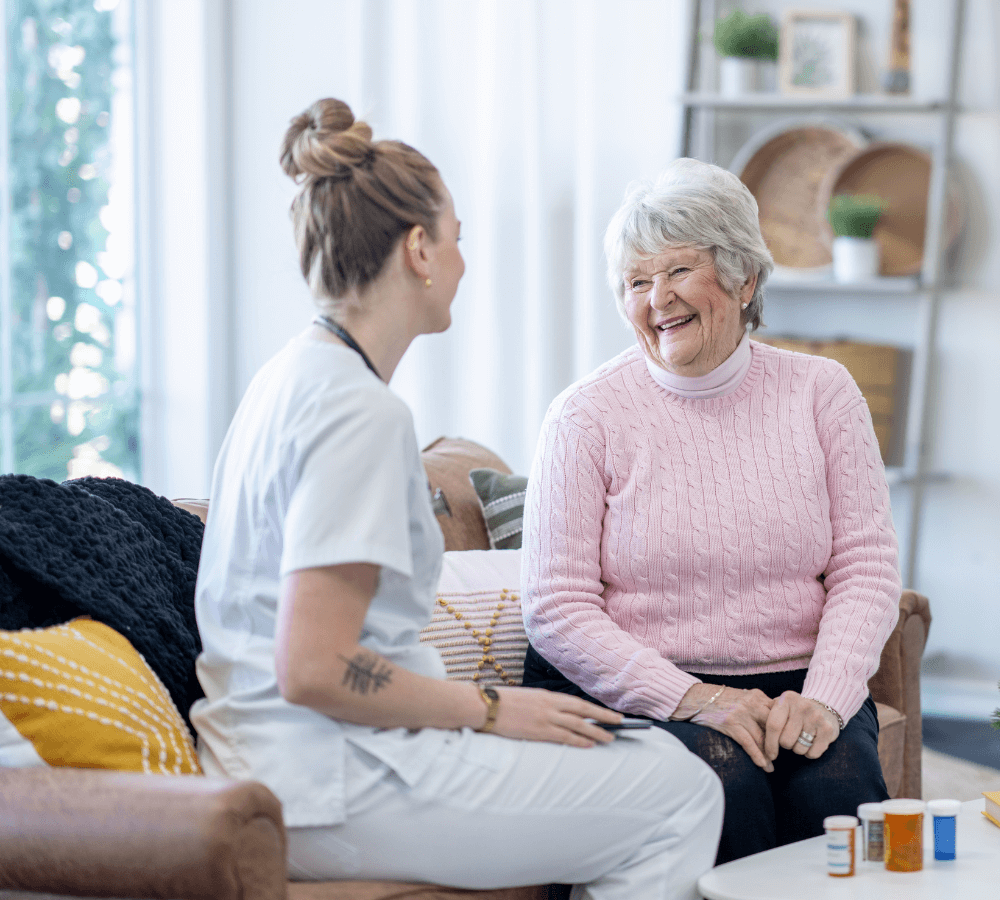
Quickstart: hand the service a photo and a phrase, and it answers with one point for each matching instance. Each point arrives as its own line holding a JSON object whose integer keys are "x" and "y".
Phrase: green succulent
{"x": 854, "y": 215}
{"x": 738, "y": 34}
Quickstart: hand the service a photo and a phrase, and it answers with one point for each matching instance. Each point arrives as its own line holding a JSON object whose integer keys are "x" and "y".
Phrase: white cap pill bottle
{"x": 840, "y": 845}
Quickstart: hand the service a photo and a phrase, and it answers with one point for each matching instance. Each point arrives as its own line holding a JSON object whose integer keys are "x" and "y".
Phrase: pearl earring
{"x": 428, "y": 283}
{"x": 744, "y": 305}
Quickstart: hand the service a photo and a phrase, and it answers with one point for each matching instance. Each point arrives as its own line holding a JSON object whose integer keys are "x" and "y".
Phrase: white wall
{"x": 285, "y": 55}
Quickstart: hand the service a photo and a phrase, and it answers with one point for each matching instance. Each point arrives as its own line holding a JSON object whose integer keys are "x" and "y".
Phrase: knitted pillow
{"x": 502, "y": 500}
{"x": 80, "y": 695}
{"x": 477, "y": 626}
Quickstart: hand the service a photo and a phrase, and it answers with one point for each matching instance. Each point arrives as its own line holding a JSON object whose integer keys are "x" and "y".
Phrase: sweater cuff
{"x": 846, "y": 699}
{"x": 661, "y": 692}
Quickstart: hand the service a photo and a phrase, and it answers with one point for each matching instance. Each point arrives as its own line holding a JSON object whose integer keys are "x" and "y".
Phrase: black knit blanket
{"x": 109, "y": 549}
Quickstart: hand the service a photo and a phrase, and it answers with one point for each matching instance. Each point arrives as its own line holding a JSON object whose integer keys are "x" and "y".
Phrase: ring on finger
{"x": 806, "y": 739}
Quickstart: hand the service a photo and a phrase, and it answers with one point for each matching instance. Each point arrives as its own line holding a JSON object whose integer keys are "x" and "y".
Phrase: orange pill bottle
{"x": 904, "y": 835}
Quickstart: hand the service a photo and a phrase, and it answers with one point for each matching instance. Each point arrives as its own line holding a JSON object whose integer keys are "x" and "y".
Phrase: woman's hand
{"x": 742, "y": 715}
{"x": 793, "y": 715}
{"x": 533, "y": 714}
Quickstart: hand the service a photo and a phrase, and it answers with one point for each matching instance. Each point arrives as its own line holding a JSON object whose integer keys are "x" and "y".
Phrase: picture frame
{"x": 817, "y": 53}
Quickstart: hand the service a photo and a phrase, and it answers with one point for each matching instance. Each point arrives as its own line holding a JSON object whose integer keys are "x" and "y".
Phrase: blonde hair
{"x": 357, "y": 197}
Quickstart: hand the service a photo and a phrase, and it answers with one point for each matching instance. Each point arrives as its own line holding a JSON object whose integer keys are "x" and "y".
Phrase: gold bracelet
{"x": 492, "y": 700}
{"x": 703, "y": 707}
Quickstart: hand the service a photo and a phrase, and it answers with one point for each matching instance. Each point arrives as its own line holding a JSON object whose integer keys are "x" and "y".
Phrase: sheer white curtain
{"x": 537, "y": 112}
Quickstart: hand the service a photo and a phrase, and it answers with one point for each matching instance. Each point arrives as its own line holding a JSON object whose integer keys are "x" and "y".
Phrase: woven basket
{"x": 900, "y": 175}
{"x": 784, "y": 167}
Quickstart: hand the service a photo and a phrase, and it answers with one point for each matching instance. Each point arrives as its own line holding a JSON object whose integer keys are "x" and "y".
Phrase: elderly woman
{"x": 708, "y": 539}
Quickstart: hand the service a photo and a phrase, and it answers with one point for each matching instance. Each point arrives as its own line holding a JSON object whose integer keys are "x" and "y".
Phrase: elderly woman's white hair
{"x": 692, "y": 204}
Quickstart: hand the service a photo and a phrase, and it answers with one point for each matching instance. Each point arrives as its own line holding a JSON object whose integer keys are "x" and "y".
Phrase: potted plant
{"x": 744, "y": 43}
{"x": 855, "y": 251}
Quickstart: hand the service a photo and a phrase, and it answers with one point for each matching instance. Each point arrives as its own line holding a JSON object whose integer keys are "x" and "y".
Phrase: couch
{"x": 87, "y": 832}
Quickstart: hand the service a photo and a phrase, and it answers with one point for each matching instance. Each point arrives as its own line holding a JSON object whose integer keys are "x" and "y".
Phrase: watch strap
{"x": 492, "y": 700}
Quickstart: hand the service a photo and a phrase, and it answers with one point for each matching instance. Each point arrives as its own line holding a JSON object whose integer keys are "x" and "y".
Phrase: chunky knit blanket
{"x": 109, "y": 549}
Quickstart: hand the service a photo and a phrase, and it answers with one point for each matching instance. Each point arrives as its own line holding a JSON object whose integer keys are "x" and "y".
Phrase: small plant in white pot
{"x": 855, "y": 252}
{"x": 746, "y": 44}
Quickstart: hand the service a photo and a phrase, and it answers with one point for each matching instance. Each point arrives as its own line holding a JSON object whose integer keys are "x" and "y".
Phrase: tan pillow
{"x": 448, "y": 462}
{"x": 477, "y": 626}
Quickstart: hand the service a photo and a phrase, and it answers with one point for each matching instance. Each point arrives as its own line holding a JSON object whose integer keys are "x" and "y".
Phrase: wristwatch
{"x": 492, "y": 700}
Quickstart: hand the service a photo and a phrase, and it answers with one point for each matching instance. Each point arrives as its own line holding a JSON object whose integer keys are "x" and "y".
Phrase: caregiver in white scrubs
{"x": 319, "y": 568}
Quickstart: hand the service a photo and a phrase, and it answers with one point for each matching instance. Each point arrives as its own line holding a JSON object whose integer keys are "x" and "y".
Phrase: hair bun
{"x": 326, "y": 141}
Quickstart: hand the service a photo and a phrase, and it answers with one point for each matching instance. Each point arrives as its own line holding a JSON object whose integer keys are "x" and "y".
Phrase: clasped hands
{"x": 761, "y": 724}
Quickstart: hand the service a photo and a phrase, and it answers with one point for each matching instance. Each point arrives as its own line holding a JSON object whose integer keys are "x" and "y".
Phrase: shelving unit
{"x": 925, "y": 290}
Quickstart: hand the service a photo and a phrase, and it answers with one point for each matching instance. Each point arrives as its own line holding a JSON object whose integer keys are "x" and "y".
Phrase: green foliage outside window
{"x": 75, "y": 405}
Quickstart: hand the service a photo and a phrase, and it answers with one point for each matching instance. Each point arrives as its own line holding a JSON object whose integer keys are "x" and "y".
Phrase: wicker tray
{"x": 900, "y": 174}
{"x": 784, "y": 166}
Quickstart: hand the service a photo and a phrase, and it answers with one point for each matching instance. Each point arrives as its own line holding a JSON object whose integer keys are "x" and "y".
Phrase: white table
{"x": 798, "y": 871}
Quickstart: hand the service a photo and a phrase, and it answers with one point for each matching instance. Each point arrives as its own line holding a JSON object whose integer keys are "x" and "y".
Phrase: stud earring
{"x": 428, "y": 283}
{"x": 744, "y": 305}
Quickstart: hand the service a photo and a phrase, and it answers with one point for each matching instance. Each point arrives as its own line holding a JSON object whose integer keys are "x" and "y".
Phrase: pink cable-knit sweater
{"x": 736, "y": 535}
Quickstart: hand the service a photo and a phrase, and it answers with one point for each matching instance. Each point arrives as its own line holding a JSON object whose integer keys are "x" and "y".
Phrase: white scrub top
{"x": 320, "y": 467}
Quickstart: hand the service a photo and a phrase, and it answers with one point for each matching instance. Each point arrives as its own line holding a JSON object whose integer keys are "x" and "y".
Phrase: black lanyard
{"x": 341, "y": 332}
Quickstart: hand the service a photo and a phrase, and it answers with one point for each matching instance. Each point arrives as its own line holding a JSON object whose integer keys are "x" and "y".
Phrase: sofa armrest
{"x": 897, "y": 681}
{"x": 114, "y": 834}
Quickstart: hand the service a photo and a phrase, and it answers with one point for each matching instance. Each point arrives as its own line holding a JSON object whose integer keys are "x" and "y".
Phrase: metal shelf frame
{"x": 699, "y": 103}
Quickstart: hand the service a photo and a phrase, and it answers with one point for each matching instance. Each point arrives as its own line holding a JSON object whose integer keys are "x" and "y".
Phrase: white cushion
{"x": 16, "y": 751}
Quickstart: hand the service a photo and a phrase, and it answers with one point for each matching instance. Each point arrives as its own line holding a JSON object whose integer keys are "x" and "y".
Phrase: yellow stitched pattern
{"x": 480, "y": 636}
{"x": 83, "y": 696}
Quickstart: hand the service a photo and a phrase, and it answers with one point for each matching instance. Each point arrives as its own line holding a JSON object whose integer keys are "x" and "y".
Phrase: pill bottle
{"x": 840, "y": 845}
{"x": 904, "y": 835}
{"x": 944, "y": 813}
{"x": 872, "y": 832}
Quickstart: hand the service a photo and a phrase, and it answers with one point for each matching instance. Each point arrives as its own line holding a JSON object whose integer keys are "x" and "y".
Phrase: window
{"x": 69, "y": 394}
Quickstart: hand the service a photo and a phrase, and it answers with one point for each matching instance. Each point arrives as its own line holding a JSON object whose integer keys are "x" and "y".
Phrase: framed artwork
{"x": 817, "y": 53}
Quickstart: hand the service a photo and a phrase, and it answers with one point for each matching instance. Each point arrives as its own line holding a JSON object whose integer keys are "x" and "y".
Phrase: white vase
{"x": 855, "y": 259}
{"x": 738, "y": 75}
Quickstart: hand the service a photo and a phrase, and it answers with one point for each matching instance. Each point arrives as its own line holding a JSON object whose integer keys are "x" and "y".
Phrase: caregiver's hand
{"x": 741, "y": 715}
{"x": 534, "y": 714}
{"x": 792, "y": 716}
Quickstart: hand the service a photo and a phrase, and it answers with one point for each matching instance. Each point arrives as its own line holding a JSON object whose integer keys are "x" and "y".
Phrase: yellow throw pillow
{"x": 83, "y": 697}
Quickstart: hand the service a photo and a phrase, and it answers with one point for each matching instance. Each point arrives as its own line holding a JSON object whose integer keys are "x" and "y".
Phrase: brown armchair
{"x": 109, "y": 834}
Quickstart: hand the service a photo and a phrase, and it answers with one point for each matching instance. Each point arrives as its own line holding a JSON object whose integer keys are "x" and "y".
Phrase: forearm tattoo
{"x": 365, "y": 673}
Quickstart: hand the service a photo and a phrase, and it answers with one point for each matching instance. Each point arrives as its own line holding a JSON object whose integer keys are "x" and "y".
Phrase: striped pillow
{"x": 502, "y": 499}
{"x": 477, "y": 625}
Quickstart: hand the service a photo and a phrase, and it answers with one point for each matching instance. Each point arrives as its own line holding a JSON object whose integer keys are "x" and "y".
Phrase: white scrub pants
{"x": 636, "y": 819}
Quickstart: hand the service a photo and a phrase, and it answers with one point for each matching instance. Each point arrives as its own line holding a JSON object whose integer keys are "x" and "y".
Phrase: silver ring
{"x": 806, "y": 739}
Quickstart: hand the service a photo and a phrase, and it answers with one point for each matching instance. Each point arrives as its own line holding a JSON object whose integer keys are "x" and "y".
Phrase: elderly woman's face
{"x": 685, "y": 322}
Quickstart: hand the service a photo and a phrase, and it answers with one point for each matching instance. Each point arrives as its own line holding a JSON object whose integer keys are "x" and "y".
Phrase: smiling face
{"x": 684, "y": 321}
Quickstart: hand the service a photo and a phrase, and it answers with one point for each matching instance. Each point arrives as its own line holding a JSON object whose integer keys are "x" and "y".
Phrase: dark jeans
{"x": 766, "y": 810}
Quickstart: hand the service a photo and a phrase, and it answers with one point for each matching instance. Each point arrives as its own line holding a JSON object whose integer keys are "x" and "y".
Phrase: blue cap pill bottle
{"x": 944, "y": 813}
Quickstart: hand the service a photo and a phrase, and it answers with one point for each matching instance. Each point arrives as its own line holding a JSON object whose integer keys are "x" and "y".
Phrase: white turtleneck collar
{"x": 722, "y": 380}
